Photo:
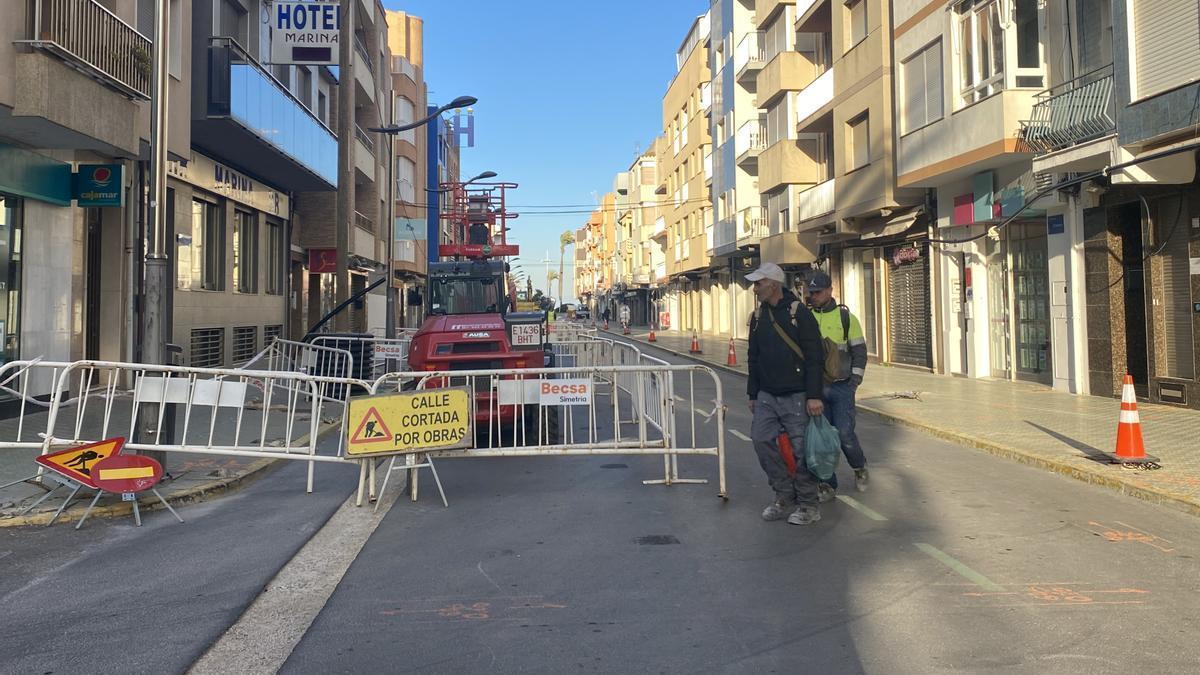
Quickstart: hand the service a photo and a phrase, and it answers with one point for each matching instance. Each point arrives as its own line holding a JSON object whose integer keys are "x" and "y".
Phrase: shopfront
{"x": 10, "y": 277}
{"x": 909, "y": 329}
{"x": 1019, "y": 304}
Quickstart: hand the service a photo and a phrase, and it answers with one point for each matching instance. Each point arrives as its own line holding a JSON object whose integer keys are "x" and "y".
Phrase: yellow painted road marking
{"x": 738, "y": 434}
{"x": 964, "y": 571}
{"x": 132, "y": 472}
{"x": 861, "y": 508}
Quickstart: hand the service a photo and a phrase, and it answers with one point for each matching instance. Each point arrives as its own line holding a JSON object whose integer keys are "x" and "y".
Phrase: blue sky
{"x": 568, "y": 91}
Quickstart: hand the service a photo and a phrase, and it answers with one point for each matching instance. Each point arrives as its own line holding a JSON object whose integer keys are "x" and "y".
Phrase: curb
{"x": 1184, "y": 503}
{"x": 200, "y": 493}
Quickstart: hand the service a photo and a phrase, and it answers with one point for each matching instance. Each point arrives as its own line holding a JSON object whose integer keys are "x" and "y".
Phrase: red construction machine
{"x": 470, "y": 319}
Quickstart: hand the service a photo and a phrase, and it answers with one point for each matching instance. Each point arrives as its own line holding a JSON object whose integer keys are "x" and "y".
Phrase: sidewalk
{"x": 1030, "y": 423}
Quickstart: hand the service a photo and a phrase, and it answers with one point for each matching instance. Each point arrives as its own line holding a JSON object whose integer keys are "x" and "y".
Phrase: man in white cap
{"x": 785, "y": 364}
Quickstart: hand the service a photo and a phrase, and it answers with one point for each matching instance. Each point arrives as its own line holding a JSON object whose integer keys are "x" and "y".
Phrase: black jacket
{"x": 773, "y": 365}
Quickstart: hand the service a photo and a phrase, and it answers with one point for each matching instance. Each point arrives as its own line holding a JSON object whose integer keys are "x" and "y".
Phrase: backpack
{"x": 835, "y": 359}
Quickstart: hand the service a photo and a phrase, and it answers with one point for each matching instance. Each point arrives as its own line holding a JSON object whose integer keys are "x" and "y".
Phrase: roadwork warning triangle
{"x": 76, "y": 463}
{"x": 372, "y": 429}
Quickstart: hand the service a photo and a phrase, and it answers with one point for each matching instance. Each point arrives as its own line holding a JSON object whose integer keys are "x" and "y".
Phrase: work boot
{"x": 778, "y": 510}
{"x": 825, "y": 492}
{"x": 860, "y": 479}
{"x": 805, "y": 515}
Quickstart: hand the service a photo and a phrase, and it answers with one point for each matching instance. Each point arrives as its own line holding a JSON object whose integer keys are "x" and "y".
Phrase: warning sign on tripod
{"x": 432, "y": 419}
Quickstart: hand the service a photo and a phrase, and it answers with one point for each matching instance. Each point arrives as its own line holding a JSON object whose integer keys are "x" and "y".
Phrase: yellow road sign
{"x": 432, "y": 419}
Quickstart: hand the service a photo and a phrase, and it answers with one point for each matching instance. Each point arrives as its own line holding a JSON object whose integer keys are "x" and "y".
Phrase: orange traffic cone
{"x": 652, "y": 338}
{"x": 695, "y": 345}
{"x": 1130, "y": 449}
{"x": 731, "y": 360}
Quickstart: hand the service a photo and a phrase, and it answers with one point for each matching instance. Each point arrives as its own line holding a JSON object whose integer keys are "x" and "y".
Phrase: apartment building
{"x": 692, "y": 301}
{"x": 72, "y": 128}
{"x": 1139, "y": 231}
{"x": 442, "y": 159}
{"x": 316, "y": 220}
{"x": 637, "y": 214}
{"x": 409, "y": 264}
{"x": 970, "y": 72}
{"x": 736, "y": 128}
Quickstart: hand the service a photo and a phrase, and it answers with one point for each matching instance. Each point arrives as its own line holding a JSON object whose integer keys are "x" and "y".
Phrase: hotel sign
{"x": 305, "y": 33}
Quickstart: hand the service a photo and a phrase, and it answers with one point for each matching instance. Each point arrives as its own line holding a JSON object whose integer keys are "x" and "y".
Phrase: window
{"x": 275, "y": 253}
{"x": 922, "y": 88}
{"x": 231, "y": 22}
{"x": 779, "y": 36}
{"x": 815, "y": 48}
{"x": 304, "y": 86}
{"x": 175, "y": 41}
{"x": 245, "y": 252}
{"x": 1173, "y": 307}
{"x": 858, "y": 135}
{"x": 818, "y": 149}
{"x": 201, "y": 256}
{"x": 406, "y": 176}
{"x": 245, "y": 344}
{"x": 1092, "y": 24}
{"x": 779, "y": 126}
{"x": 11, "y": 222}
{"x": 405, "y": 114}
{"x": 981, "y": 50}
{"x": 323, "y": 108}
{"x": 1165, "y": 35}
{"x": 779, "y": 212}
{"x": 208, "y": 347}
{"x": 856, "y": 14}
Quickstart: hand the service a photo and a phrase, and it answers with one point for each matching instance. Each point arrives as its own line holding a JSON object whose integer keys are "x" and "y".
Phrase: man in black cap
{"x": 784, "y": 367}
{"x": 846, "y": 363}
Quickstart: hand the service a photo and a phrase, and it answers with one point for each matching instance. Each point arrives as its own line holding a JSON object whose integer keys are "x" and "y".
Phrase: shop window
{"x": 275, "y": 253}
{"x": 201, "y": 256}
{"x": 10, "y": 278}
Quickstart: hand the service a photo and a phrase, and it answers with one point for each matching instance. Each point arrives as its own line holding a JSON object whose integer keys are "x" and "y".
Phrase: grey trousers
{"x": 774, "y": 415}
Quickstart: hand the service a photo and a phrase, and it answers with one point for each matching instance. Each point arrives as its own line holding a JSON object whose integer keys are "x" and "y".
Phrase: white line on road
{"x": 265, "y": 635}
{"x": 861, "y": 508}
{"x": 738, "y": 434}
{"x": 964, "y": 571}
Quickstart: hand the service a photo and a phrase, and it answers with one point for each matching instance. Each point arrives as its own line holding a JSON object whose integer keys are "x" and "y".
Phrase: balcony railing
{"x": 751, "y": 224}
{"x": 366, "y": 56}
{"x": 751, "y": 137}
{"x": 1071, "y": 113}
{"x": 364, "y": 138}
{"x": 815, "y": 96}
{"x": 818, "y": 200}
{"x": 364, "y": 221}
{"x": 97, "y": 41}
{"x": 724, "y": 235}
{"x": 749, "y": 52}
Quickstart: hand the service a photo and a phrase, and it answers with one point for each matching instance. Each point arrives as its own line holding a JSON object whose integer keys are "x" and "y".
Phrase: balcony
{"x": 790, "y": 248}
{"x": 815, "y": 202}
{"x": 95, "y": 41}
{"x": 660, "y": 228}
{"x": 788, "y": 71}
{"x": 363, "y": 221}
{"x": 1072, "y": 113}
{"x": 706, "y": 98}
{"x": 364, "y": 70}
{"x": 751, "y": 140}
{"x": 813, "y": 98}
{"x": 751, "y": 226}
{"x": 748, "y": 58}
{"x": 255, "y": 123}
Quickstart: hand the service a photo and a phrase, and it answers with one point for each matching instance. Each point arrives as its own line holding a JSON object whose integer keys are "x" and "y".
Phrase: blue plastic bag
{"x": 822, "y": 448}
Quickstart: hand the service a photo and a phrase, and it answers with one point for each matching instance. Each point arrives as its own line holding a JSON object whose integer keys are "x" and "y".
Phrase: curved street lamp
{"x": 460, "y": 102}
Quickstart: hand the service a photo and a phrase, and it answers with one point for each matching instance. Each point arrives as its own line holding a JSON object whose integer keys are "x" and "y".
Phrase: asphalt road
{"x": 953, "y": 561}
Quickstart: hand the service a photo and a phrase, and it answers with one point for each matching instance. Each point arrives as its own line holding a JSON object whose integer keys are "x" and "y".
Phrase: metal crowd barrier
{"x": 377, "y": 355}
{"x": 566, "y": 331}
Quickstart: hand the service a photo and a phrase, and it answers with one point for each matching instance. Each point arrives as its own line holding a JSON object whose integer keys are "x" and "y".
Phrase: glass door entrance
{"x": 1031, "y": 301}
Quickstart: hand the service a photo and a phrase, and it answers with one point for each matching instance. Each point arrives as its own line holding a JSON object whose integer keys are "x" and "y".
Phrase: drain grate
{"x": 614, "y": 466}
{"x": 656, "y": 540}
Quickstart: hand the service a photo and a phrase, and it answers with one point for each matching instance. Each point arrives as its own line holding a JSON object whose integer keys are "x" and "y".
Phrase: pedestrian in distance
{"x": 845, "y": 365}
{"x": 785, "y": 363}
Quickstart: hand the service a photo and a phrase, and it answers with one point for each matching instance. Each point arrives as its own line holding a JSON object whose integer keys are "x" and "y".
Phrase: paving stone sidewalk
{"x": 1030, "y": 423}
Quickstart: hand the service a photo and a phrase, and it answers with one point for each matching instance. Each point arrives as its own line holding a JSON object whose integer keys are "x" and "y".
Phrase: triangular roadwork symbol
{"x": 76, "y": 463}
{"x": 372, "y": 429}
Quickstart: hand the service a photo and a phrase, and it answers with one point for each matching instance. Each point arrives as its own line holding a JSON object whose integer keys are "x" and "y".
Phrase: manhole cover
{"x": 656, "y": 540}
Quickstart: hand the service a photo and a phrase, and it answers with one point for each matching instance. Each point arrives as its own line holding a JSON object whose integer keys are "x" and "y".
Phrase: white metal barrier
{"x": 233, "y": 412}
{"x": 631, "y": 410}
{"x": 567, "y": 331}
{"x": 376, "y": 355}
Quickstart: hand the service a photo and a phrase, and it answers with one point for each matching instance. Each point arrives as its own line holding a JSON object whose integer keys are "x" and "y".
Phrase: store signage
{"x": 210, "y": 175}
{"x": 322, "y": 260}
{"x": 305, "y": 33}
{"x": 1055, "y": 225}
{"x": 906, "y": 255}
{"x": 98, "y": 185}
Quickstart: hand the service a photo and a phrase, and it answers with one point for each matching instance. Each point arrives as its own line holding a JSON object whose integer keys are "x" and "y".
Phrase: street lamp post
{"x": 391, "y": 131}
